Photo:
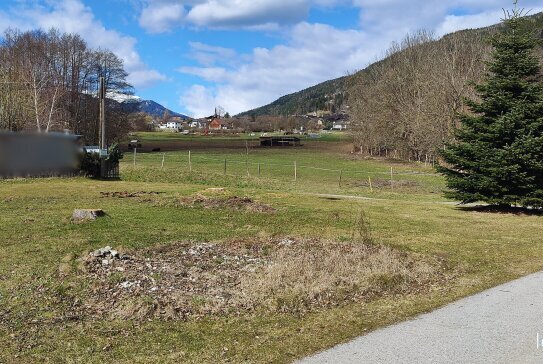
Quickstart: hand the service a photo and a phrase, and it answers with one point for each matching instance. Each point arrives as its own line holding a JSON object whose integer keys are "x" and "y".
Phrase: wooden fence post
{"x": 190, "y": 162}
{"x": 295, "y": 172}
{"x": 371, "y": 187}
{"x": 340, "y": 176}
{"x": 135, "y": 157}
{"x": 391, "y": 179}
{"x": 163, "y": 156}
{"x": 258, "y": 169}
{"x": 225, "y": 166}
{"x": 247, "y": 157}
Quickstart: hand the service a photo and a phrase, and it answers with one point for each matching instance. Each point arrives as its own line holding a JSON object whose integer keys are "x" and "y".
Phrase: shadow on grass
{"x": 497, "y": 209}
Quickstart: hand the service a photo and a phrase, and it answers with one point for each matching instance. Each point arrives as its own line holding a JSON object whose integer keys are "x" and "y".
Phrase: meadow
{"x": 366, "y": 254}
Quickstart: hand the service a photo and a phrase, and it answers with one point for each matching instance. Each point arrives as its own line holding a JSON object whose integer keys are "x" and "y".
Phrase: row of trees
{"x": 49, "y": 81}
{"x": 270, "y": 123}
{"x": 406, "y": 105}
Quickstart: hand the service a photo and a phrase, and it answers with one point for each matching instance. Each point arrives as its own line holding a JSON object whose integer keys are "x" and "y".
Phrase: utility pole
{"x": 102, "y": 137}
{"x": 102, "y": 97}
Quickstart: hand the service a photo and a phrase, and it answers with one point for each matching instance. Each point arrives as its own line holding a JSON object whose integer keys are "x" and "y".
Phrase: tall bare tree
{"x": 48, "y": 81}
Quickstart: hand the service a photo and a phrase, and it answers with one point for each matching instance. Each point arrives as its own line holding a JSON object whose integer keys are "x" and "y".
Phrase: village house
{"x": 174, "y": 125}
{"x": 339, "y": 125}
{"x": 217, "y": 124}
{"x": 197, "y": 124}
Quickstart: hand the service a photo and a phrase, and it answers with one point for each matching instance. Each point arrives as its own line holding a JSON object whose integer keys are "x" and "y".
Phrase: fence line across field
{"x": 319, "y": 168}
{"x": 191, "y": 158}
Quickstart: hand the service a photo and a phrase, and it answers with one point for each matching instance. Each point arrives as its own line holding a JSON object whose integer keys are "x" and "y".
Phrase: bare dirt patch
{"x": 186, "y": 280}
{"x": 126, "y": 194}
{"x": 232, "y": 202}
{"x": 211, "y": 142}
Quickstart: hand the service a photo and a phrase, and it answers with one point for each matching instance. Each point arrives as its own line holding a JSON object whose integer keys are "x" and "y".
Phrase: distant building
{"x": 175, "y": 125}
{"x": 197, "y": 124}
{"x": 217, "y": 124}
{"x": 280, "y": 141}
{"x": 339, "y": 125}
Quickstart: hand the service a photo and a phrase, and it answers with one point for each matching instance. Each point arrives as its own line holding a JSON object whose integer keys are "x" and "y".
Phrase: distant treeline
{"x": 48, "y": 82}
{"x": 270, "y": 123}
{"x": 406, "y": 105}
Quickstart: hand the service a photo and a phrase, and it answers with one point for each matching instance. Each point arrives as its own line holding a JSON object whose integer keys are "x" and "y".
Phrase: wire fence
{"x": 292, "y": 171}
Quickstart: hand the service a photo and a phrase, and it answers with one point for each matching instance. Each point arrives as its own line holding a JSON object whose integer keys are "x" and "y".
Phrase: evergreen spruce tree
{"x": 497, "y": 154}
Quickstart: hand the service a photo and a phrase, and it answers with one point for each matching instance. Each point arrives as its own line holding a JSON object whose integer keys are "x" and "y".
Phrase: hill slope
{"x": 408, "y": 103}
{"x": 336, "y": 92}
{"x": 327, "y": 94}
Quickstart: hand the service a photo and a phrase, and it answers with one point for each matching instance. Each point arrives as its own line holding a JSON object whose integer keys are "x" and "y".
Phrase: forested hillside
{"x": 327, "y": 95}
{"x": 406, "y": 104}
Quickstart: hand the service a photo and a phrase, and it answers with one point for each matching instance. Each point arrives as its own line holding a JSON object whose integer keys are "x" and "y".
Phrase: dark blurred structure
{"x": 39, "y": 154}
{"x": 280, "y": 141}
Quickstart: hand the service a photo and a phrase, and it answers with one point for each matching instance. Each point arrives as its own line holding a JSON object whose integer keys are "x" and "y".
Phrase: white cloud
{"x": 239, "y": 13}
{"x": 200, "y": 99}
{"x": 208, "y": 55}
{"x": 400, "y": 16}
{"x": 388, "y": 16}
{"x": 145, "y": 78}
{"x": 72, "y": 16}
{"x": 453, "y": 23}
{"x": 160, "y": 16}
{"x": 213, "y": 74}
{"x": 314, "y": 53}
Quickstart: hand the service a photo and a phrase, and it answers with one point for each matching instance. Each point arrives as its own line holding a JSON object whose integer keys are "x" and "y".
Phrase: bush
{"x": 90, "y": 162}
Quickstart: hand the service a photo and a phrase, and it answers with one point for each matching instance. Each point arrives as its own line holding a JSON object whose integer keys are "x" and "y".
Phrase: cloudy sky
{"x": 191, "y": 55}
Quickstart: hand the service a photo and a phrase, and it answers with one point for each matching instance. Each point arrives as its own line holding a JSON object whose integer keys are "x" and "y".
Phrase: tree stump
{"x": 87, "y": 214}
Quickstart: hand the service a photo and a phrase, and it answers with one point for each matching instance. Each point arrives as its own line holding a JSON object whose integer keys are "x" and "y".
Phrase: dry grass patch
{"x": 312, "y": 273}
{"x": 381, "y": 183}
{"x": 218, "y": 199}
{"x": 183, "y": 280}
{"x": 232, "y": 202}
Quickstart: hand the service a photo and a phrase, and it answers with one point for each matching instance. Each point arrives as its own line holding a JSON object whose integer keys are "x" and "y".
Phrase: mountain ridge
{"x": 135, "y": 104}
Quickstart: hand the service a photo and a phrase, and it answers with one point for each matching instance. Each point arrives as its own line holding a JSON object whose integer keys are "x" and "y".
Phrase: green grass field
{"x": 476, "y": 249}
{"x": 316, "y": 167}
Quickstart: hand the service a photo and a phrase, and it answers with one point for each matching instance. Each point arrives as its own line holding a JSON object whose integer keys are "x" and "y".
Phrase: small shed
{"x": 280, "y": 141}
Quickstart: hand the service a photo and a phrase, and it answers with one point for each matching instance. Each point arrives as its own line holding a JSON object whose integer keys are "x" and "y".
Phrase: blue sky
{"x": 192, "y": 55}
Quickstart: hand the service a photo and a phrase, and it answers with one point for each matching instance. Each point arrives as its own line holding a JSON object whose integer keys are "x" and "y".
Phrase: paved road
{"x": 499, "y": 325}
